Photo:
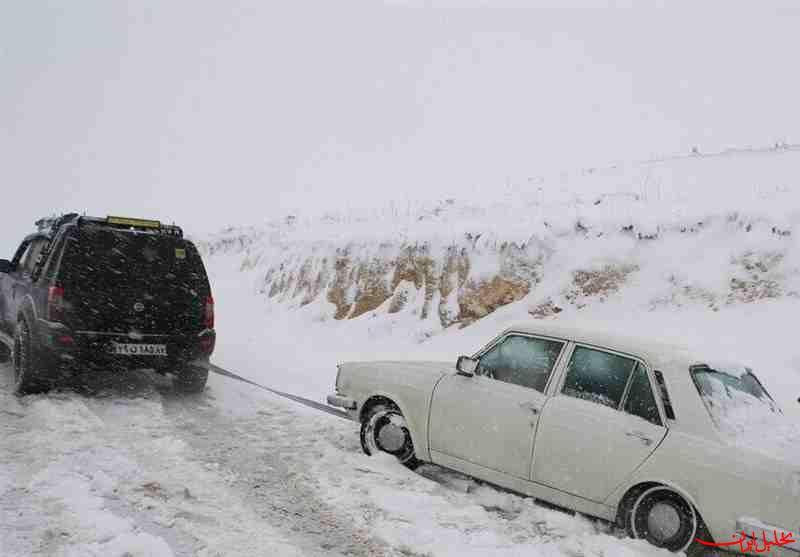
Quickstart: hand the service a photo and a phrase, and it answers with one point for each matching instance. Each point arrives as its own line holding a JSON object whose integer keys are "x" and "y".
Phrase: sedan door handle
{"x": 532, "y": 406}
{"x": 641, "y": 437}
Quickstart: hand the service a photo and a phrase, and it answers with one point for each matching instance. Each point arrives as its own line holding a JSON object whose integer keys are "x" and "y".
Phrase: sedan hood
{"x": 406, "y": 367}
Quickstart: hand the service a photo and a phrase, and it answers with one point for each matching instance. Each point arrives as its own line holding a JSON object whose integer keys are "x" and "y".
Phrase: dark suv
{"x": 86, "y": 294}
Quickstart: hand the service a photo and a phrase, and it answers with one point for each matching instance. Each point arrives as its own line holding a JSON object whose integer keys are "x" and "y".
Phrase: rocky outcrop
{"x": 450, "y": 284}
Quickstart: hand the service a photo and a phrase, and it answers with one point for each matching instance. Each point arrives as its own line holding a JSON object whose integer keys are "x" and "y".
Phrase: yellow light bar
{"x": 141, "y": 223}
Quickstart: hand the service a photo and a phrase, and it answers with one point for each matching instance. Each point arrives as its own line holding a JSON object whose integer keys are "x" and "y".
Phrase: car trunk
{"x": 127, "y": 282}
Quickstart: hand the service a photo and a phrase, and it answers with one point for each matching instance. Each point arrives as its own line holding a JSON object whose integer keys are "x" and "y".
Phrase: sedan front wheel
{"x": 384, "y": 429}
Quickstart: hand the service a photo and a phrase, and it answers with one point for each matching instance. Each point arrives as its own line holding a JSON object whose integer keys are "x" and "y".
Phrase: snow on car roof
{"x": 656, "y": 353}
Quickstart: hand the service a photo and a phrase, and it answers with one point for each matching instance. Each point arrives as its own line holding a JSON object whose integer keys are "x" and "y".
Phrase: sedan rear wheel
{"x": 665, "y": 519}
{"x": 384, "y": 429}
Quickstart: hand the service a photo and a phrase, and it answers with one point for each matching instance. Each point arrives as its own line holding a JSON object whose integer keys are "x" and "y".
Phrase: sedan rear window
{"x": 716, "y": 384}
{"x": 733, "y": 394}
{"x": 598, "y": 376}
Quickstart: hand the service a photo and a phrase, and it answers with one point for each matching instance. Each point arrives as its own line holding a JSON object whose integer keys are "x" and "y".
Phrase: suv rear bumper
{"x": 67, "y": 350}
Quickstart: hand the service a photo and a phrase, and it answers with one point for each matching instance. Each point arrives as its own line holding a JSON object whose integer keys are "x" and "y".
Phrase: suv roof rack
{"x": 53, "y": 223}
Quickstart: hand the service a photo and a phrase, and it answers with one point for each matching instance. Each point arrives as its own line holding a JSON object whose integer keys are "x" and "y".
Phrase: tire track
{"x": 269, "y": 453}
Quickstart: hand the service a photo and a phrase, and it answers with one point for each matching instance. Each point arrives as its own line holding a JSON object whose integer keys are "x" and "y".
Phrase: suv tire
{"x": 191, "y": 379}
{"x": 5, "y": 354}
{"x": 26, "y": 364}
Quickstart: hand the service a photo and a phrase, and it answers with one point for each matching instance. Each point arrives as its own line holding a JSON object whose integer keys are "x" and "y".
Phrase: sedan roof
{"x": 656, "y": 353}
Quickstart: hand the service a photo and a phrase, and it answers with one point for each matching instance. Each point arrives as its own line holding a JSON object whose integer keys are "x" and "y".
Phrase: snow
{"x": 677, "y": 295}
{"x": 434, "y": 512}
{"x": 751, "y": 422}
{"x": 756, "y": 188}
{"x": 141, "y": 470}
{"x": 107, "y": 477}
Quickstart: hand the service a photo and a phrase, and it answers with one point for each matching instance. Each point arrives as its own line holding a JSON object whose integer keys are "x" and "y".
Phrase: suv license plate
{"x": 139, "y": 349}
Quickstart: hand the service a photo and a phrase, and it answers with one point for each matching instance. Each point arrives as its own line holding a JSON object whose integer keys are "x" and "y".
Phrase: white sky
{"x": 215, "y": 113}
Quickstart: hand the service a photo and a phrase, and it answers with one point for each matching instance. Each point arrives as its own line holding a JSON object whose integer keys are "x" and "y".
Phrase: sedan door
{"x": 490, "y": 419}
{"x": 600, "y": 427}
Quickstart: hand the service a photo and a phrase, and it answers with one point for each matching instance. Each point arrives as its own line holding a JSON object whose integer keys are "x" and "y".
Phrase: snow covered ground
{"x": 140, "y": 470}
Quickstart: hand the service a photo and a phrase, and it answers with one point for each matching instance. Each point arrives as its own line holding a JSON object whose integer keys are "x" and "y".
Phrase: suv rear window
{"x": 103, "y": 257}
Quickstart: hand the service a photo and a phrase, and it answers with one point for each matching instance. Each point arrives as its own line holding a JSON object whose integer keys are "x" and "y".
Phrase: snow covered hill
{"x": 710, "y": 231}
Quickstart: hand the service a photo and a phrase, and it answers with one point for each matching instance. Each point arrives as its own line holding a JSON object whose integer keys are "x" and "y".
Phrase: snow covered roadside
{"x": 141, "y": 471}
{"x": 433, "y": 511}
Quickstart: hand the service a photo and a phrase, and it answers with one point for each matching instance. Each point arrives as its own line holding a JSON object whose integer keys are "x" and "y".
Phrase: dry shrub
{"x": 598, "y": 283}
{"x": 758, "y": 279}
{"x": 545, "y": 309}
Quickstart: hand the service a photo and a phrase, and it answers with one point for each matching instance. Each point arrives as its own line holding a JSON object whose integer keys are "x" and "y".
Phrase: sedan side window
{"x": 640, "y": 401}
{"x": 520, "y": 360}
{"x": 597, "y": 376}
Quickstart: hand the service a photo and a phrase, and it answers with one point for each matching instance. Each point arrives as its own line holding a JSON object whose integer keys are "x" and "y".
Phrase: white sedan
{"x": 628, "y": 431}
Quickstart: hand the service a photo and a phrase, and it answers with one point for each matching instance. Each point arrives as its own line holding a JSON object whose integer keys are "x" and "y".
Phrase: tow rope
{"x": 304, "y": 401}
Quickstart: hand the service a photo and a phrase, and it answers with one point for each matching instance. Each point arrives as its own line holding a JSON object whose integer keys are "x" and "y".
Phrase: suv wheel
{"x": 25, "y": 363}
{"x": 191, "y": 379}
{"x": 5, "y": 353}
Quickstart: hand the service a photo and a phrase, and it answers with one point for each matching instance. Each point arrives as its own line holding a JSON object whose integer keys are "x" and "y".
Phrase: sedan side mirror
{"x": 5, "y": 266}
{"x": 466, "y": 366}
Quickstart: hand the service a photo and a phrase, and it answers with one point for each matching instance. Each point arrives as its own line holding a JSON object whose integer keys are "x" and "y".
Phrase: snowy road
{"x": 140, "y": 470}
{"x": 142, "y": 467}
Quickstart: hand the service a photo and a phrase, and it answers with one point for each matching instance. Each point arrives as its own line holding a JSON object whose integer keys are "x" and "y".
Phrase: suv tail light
{"x": 208, "y": 319}
{"x": 55, "y": 303}
{"x": 207, "y": 343}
